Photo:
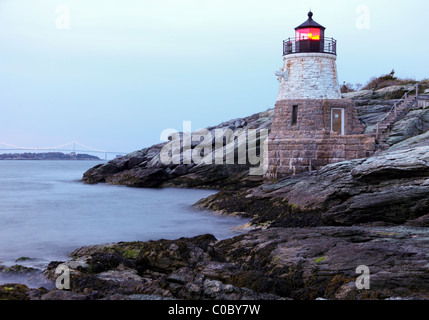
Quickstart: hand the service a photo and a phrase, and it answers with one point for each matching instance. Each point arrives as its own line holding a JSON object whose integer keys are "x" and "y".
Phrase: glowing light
{"x": 313, "y": 37}
{"x": 308, "y": 34}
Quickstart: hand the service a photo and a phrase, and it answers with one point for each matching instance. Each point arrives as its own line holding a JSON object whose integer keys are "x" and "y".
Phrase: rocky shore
{"x": 271, "y": 264}
{"x": 308, "y": 234}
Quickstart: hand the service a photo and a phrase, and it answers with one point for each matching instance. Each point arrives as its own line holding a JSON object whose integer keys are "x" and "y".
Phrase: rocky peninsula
{"x": 307, "y": 236}
{"x": 47, "y": 156}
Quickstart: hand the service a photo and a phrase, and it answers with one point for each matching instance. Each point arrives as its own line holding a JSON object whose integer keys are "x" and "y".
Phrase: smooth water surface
{"x": 45, "y": 212}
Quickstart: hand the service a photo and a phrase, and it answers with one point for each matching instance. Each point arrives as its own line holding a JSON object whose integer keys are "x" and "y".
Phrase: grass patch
{"x": 131, "y": 253}
{"x": 320, "y": 260}
{"x": 389, "y": 234}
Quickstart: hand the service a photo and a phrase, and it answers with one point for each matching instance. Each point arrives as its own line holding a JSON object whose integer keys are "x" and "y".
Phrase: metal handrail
{"x": 324, "y": 45}
{"x": 395, "y": 106}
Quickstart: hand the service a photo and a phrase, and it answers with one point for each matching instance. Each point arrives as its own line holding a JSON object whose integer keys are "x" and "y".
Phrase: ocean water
{"x": 46, "y": 213}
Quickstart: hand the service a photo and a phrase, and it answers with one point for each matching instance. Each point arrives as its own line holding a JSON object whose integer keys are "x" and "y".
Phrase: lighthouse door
{"x": 337, "y": 120}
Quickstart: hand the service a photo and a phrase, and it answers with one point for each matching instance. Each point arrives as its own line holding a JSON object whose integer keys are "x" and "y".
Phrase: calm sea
{"x": 45, "y": 212}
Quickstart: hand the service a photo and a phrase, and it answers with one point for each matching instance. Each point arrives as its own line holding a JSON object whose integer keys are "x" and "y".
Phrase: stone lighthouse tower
{"x": 312, "y": 126}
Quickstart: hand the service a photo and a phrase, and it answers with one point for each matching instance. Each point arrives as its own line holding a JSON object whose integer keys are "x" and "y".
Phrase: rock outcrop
{"x": 277, "y": 263}
{"x": 145, "y": 169}
{"x": 415, "y": 123}
{"x": 391, "y": 92}
{"x": 391, "y": 188}
{"x": 417, "y": 141}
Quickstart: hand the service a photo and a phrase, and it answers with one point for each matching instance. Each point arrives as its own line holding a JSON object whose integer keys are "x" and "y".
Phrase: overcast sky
{"x": 113, "y": 74}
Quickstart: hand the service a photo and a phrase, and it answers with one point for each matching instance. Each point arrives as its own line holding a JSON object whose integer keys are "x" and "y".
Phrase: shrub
{"x": 347, "y": 87}
{"x": 387, "y": 81}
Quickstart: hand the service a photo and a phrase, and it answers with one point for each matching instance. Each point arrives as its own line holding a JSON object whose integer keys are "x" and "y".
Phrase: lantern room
{"x": 310, "y": 30}
{"x": 310, "y": 37}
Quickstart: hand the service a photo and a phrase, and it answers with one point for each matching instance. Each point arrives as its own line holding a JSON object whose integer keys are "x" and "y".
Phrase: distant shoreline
{"x": 48, "y": 156}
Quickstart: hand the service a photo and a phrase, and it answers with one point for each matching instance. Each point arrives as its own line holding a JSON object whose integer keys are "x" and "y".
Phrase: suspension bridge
{"x": 73, "y": 146}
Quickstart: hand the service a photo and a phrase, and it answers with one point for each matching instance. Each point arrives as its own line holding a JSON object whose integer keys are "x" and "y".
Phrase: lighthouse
{"x": 309, "y": 70}
{"x": 312, "y": 125}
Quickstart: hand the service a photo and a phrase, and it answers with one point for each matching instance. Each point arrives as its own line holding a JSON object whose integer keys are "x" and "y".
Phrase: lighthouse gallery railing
{"x": 325, "y": 45}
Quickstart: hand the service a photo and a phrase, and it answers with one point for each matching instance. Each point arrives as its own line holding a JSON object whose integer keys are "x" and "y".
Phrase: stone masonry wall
{"x": 314, "y": 115}
{"x": 309, "y": 76}
{"x": 309, "y": 151}
{"x": 310, "y": 144}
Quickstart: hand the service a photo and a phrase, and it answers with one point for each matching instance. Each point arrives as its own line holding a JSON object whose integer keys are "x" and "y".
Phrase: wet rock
{"x": 76, "y": 267}
{"x": 20, "y": 292}
{"x": 276, "y": 263}
{"x": 220, "y": 177}
{"x": 14, "y": 292}
{"x": 100, "y": 172}
{"x": 121, "y": 275}
{"x": 17, "y": 270}
{"x": 102, "y": 261}
{"x": 63, "y": 295}
{"x": 160, "y": 269}
{"x": 318, "y": 262}
{"x": 28, "y": 276}
{"x": 139, "y": 177}
{"x": 135, "y": 297}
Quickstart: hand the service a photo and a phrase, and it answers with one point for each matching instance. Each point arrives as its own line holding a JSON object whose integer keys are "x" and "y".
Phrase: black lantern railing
{"x": 325, "y": 45}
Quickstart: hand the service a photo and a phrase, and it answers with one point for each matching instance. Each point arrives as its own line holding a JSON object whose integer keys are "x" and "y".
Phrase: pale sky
{"x": 125, "y": 70}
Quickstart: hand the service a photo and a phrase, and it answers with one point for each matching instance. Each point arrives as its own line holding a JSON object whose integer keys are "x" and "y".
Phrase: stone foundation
{"x": 308, "y": 143}
{"x": 310, "y": 151}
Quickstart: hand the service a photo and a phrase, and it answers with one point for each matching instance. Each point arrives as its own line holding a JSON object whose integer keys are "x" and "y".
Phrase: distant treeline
{"x": 47, "y": 156}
